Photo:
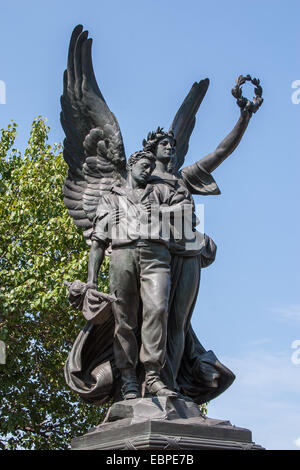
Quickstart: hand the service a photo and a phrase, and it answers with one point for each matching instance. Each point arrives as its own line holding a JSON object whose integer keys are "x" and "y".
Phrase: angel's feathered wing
{"x": 93, "y": 147}
{"x": 184, "y": 121}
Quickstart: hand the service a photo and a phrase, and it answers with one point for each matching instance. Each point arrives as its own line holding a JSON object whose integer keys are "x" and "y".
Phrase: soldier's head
{"x": 140, "y": 166}
{"x": 162, "y": 145}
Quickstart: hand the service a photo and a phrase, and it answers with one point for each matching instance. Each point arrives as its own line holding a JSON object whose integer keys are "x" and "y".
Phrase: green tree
{"x": 40, "y": 248}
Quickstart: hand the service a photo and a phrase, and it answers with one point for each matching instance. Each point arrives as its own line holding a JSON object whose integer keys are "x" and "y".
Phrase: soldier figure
{"x": 139, "y": 272}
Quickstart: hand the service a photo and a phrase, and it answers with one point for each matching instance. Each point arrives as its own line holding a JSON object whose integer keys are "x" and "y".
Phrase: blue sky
{"x": 146, "y": 56}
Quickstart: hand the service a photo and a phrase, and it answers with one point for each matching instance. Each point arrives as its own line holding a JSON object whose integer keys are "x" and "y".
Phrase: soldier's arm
{"x": 100, "y": 240}
{"x": 96, "y": 256}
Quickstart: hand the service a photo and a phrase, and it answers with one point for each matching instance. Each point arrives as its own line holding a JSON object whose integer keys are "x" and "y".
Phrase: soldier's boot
{"x": 155, "y": 386}
{"x": 130, "y": 388}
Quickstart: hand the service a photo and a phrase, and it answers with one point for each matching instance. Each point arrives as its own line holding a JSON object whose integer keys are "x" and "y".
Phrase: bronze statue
{"x": 113, "y": 357}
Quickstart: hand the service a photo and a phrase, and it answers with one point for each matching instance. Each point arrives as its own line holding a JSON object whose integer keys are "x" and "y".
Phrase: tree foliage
{"x": 40, "y": 248}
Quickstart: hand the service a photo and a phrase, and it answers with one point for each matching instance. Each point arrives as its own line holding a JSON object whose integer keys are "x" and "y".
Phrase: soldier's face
{"x": 165, "y": 150}
{"x": 142, "y": 170}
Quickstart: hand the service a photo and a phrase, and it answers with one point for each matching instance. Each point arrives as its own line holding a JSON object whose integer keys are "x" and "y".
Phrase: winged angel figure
{"x": 94, "y": 152}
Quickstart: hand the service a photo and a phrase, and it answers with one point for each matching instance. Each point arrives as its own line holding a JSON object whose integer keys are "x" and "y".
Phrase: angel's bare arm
{"x": 211, "y": 161}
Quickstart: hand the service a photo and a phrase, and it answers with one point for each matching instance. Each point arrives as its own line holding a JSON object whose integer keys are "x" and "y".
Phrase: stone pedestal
{"x": 161, "y": 423}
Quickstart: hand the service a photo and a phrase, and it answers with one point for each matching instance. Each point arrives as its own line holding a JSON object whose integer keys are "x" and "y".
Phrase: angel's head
{"x": 162, "y": 145}
{"x": 140, "y": 165}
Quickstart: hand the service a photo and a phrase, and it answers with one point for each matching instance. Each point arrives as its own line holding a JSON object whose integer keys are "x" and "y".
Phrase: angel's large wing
{"x": 93, "y": 147}
{"x": 184, "y": 121}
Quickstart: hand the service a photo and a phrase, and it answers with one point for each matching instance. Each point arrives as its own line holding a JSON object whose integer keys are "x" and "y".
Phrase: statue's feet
{"x": 154, "y": 386}
{"x": 166, "y": 392}
{"x": 131, "y": 394}
{"x": 130, "y": 389}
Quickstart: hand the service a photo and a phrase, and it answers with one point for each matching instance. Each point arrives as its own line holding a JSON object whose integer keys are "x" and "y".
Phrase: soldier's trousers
{"x": 140, "y": 279}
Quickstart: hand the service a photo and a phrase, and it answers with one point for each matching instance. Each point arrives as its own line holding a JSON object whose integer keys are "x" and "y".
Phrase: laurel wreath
{"x": 244, "y": 103}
